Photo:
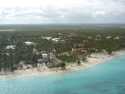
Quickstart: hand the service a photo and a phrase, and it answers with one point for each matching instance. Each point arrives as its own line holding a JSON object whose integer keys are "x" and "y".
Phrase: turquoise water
{"x": 106, "y": 78}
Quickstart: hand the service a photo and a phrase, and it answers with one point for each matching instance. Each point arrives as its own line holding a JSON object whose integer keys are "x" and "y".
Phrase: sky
{"x": 61, "y": 11}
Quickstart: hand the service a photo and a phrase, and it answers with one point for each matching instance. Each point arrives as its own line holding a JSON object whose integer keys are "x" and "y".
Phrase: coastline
{"x": 94, "y": 59}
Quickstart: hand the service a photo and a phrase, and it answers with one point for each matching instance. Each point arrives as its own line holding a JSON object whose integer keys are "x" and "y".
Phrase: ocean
{"x": 106, "y": 78}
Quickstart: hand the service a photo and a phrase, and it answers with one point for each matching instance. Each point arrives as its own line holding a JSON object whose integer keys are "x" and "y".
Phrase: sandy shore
{"x": 95, "y": 58}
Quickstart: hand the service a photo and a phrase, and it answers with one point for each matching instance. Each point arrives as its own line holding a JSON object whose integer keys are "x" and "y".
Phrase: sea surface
{"x": 106, "y": 78}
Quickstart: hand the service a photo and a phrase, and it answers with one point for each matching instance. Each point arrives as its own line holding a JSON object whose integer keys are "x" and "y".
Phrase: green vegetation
{"x": 60, "y": 44}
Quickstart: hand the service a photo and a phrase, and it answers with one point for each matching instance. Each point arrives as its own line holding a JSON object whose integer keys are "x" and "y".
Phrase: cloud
{"x": 62, "y": 11}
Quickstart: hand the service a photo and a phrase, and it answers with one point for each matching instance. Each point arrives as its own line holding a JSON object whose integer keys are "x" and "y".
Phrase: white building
{"x": 117, "y": 38}
{"x": 11, "y": 47}
{"x": 55, "y": 39}
{"x": 28, "y": 43}
{"x": 108, "y": 37}
{"x": 47, "y": 38}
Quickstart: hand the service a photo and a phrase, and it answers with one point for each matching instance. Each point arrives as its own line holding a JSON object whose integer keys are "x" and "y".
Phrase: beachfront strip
{"x": 55, "y": 49}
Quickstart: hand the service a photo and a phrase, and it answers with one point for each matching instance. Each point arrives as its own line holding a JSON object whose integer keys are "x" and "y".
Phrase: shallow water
{"x": 106, "y": 78}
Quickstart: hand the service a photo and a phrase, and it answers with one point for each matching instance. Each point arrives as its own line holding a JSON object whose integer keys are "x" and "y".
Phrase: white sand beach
{"x": 92, "y": 60}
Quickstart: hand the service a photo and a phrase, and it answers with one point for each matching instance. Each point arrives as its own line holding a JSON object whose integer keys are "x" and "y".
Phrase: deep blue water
{"x": 106, "y": 78}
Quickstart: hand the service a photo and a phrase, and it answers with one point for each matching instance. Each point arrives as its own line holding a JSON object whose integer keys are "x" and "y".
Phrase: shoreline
{"x": 94, "y": 59}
